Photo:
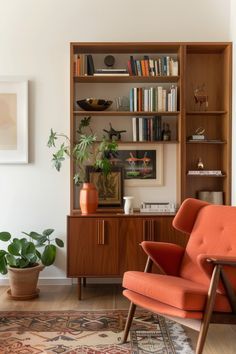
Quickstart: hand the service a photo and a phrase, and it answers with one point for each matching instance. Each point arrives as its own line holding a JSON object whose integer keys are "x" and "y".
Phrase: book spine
{"x": 134, "y": 126}
{"x": 140, "y": 128}
{"x": 159, "y": 94}
{"x": 135, "y": 99}
{"x": 131, "y": 100}
{"x": 133, "y": 67}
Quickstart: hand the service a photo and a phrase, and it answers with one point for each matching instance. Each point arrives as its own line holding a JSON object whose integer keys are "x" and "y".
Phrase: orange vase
{"x": 88, "y": 198}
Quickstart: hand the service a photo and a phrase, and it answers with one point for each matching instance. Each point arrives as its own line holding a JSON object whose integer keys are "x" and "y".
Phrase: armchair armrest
{"x": 208, "y": 262}
{"x": 230, "y": 261}
{"x": 166, "y": 256}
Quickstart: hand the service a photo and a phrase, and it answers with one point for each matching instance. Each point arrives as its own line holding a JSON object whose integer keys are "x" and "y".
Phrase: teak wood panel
{"x": 92, "y": 247}
{"x": 106, "y": 246}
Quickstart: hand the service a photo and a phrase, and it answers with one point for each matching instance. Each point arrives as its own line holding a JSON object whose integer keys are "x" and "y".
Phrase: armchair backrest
{"x": 212, "y": 230}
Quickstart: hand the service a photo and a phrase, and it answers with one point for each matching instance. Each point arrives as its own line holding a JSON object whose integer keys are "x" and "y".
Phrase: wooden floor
{"x": 221, "y": 339}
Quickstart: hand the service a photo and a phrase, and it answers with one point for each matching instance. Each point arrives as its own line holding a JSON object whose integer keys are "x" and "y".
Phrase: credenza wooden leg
{"x": 79, "y": 288}
{"x": 84, "y": 282}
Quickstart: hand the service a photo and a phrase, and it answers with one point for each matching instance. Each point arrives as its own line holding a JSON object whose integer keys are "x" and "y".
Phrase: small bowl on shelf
{"x": 94, "y": 104}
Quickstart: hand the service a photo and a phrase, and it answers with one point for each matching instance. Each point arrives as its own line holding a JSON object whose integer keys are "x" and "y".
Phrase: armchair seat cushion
{"x": 178, "y": 292}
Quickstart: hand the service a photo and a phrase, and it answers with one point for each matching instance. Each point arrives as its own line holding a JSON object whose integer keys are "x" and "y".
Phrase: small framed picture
{"x": 110, "y": 187}
{"x": 142, "y": 164}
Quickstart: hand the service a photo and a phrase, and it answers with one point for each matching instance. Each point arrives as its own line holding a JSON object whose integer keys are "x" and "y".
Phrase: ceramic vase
{"x": 88, "y": 198}
{"x": 128, "y": 206}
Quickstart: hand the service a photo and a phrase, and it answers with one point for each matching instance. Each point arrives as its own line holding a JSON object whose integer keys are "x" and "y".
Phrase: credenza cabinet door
{"x": 132, "y": 231}
{"x": 92, "y": 247}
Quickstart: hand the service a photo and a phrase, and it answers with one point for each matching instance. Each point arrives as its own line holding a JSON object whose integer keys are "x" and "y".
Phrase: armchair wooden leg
{"x": 208, "y": 309}
{"x": 129, "y": 320}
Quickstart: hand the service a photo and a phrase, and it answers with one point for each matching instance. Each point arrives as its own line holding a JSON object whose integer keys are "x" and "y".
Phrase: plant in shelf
{"x": 25, "y": 258}
{"x": 86, "y": 150}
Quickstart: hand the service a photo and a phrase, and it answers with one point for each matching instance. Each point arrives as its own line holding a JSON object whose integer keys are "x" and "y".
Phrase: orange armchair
{"x": 197, "y": 283}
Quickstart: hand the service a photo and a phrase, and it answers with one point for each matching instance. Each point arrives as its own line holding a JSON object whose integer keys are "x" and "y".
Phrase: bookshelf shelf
{"x": 206, "y": 176}
{"x": 123, "y": 113}
{"x": 206, "y": 142}
{"x": 126, "y": 79}
{"x": 206, "y": 113}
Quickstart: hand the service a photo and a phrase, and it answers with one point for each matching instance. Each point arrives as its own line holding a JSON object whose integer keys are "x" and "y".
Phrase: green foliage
{"x": 26, "y": 252}
{"x": 85, "y": 149}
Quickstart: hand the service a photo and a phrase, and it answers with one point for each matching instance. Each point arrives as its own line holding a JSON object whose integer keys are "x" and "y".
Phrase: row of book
{"x": 153, "y": 99}
{"x": 162, "y": 66}
{"x": 150, "y": 129}
{"x": 83, "y": 64}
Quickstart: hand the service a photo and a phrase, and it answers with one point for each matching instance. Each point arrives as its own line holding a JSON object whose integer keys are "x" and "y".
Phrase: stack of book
{"x": 150, "y": 207}
{"x": 162, "y": 66}
{"x": 153, "y": 99}
{"x": 111, "y": 72}
{"x": 147, "y": 128}
{"x": 205, "y": 172}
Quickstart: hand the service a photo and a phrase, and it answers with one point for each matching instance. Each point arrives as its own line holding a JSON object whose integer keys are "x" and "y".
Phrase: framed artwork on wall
{"x": 13, "y": 120}
{"x": 142, "y": 164}
{"x": 110, "y": 187}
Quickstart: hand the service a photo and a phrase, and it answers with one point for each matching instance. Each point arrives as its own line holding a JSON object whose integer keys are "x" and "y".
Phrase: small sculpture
{"x": 113, "y": 132}
{"x": 200, "y": 97}
{"x": 200, "y": 164}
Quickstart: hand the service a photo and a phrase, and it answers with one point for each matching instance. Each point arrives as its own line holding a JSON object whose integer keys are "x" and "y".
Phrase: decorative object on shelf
{"x": 94, "y": 104}
{"x": 109, "y": 187}
{"x": 13, "y": 120}
{"x": 143, "y": 165}
{"x": 109, "y": 60}
{"x": 166, "y": 132}
{"x": 128, "y": 206}
{"x": 114, "y": 133}
{"x": 23, "y": 260}
{"x": 88, "y": 198}
{"x": 122, "y": 103}
{"x": 84, "y": 150}
{"x": 201, "y": 97}
{"x": 200, "y": 164}
{"x": 90, "y": 65}
{"x": 213, "y": 197}
{"x": 198, "y": 134}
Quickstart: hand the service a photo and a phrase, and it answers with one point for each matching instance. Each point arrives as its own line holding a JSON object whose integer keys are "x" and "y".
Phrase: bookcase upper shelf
{"x": 126, "y": 79}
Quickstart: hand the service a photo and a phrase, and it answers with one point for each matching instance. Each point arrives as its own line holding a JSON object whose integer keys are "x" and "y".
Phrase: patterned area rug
{"x": 97, "y": 332}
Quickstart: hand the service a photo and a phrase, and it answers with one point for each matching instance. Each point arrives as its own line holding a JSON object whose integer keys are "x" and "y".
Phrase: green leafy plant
{"x": 85, "y": 149}
{"x": 27, "y": 252}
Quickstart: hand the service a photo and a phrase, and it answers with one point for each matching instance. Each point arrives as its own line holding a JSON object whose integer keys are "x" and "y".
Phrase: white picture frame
{"x": 157, "y": 151}
{"x": 13, "y": 120}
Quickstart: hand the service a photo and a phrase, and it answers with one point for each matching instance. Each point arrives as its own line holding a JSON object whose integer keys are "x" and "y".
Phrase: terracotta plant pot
{"x": 88, "y": 198}
{"x": 23, "y": 282}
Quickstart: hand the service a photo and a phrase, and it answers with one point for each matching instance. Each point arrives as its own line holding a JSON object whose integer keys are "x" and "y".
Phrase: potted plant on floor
{"x": 85, "y": 151}
{"x": 25, "y": 258}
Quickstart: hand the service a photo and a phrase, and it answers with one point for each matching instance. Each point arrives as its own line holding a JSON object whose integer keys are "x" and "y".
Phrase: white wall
{"x": 34, "y": 42}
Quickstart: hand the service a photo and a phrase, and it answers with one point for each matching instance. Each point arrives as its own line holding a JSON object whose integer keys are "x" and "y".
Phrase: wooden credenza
{"x": 107, "y": 245}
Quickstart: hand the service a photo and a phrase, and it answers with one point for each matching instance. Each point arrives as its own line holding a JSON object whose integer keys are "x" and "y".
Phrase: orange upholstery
{"x": 198, "y": 282}
{"x": 166, "y": 256}
{"x": 212, "y": 234}
{"x": 185, "y": 285}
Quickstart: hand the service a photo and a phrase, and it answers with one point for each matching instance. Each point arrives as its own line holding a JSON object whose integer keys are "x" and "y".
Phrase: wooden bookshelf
{"x": 199, "y": 63}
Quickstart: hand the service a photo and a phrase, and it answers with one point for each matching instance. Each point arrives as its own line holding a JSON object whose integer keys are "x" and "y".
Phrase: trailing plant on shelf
{"x": 85, "y": 150}
{"x": 28, "y": 252}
